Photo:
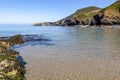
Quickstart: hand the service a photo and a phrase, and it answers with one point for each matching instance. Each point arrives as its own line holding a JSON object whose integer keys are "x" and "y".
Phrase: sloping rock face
{"x": 109, "y": 15}
{"x": 69, "y": 21}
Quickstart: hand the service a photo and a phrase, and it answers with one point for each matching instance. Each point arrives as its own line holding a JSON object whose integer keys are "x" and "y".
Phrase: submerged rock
{"x": 17, "y": 39}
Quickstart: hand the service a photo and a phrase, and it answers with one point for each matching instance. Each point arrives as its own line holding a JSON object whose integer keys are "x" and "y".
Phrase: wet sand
{"x": 51, "y": 63}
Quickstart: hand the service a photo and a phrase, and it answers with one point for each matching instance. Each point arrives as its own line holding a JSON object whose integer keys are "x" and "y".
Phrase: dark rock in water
{"x": 14, "y": 40}
{"x": 32, "y": 38}
{"x": 10, "y": 68}
{"x": 17, "y": 39}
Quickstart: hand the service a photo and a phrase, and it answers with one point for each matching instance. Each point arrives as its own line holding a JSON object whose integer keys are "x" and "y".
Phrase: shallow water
{"x": 70, "y": 53}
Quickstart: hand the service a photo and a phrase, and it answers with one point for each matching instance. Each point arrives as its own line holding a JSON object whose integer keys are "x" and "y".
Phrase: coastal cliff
{"x": 90, "y": 16}
{"x": 109, "y": 15}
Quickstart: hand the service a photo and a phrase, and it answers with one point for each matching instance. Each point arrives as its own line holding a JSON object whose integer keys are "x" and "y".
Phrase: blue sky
{"x": 30, "y": 11}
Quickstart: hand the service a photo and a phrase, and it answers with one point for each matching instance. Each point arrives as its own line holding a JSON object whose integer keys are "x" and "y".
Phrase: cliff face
{"x": 90, "y": 16}
{"x": 81, "y": 16}
{"x": 109, "y": 15}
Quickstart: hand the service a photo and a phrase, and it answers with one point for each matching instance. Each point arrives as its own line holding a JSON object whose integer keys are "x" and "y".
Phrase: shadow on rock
{"x": 22, "y": 64}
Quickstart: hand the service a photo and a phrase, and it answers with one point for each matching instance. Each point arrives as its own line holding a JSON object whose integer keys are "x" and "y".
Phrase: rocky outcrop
{"x": 67, "y": 22}
{"x": 10, "y": 67}
{"x": 109, "y": 15}
{"x": 45, "y": 24}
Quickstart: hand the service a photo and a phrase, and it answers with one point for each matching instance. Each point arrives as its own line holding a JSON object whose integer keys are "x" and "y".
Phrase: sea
{"x": 68, "y": 53}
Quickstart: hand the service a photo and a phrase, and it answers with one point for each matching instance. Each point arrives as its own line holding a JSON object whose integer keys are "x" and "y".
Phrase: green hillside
{"x": 85, "y": 12}
{"x": 114, "y": 6}
{"x": 92, "y": 16}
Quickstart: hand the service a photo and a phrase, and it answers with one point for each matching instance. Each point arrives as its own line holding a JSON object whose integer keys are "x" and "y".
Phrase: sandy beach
{"x": 47, "y": 63}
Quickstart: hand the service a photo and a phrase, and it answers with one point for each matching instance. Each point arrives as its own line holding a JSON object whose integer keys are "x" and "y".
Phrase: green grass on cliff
{"x": 83, "y": 16}
{"x": 84, "y": 13}
{"x": 86, "y": 10}
{"x": 114, "y": 6}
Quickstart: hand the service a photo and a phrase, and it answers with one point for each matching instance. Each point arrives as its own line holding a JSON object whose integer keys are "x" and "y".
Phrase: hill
{"x": 109, "y": 15}
{"x": 90, "y": 16}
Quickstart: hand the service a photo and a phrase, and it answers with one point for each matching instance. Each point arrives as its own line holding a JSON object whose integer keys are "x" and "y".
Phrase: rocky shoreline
{"x": 10, "y": 67}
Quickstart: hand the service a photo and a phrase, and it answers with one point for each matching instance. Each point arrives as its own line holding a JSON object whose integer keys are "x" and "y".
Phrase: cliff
{"x": 109, "y": 15}
{"x": 90, "y": 16}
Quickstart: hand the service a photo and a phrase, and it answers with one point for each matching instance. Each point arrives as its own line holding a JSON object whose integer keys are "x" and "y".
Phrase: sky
{"x": 32, "y": 11}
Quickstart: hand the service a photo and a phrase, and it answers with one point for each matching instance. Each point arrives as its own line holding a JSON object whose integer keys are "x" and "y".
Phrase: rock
{"x": 97, "y": 19}
{"x": 44, "y": 24}
{"x": 27, "y": 38}
{"x": 109, "y": 15}
{"x": 10, "y": 67}
{"x": 17, "y": 39}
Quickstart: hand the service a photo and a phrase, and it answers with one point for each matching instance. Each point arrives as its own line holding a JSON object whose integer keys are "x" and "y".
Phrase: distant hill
{"x": 90, "y": 16}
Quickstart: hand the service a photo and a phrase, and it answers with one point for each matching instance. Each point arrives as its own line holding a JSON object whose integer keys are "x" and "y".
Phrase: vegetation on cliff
{"x": 85, "y": 12}
{"x": 110, "y": 15}
{"x": 91, "y": 16}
